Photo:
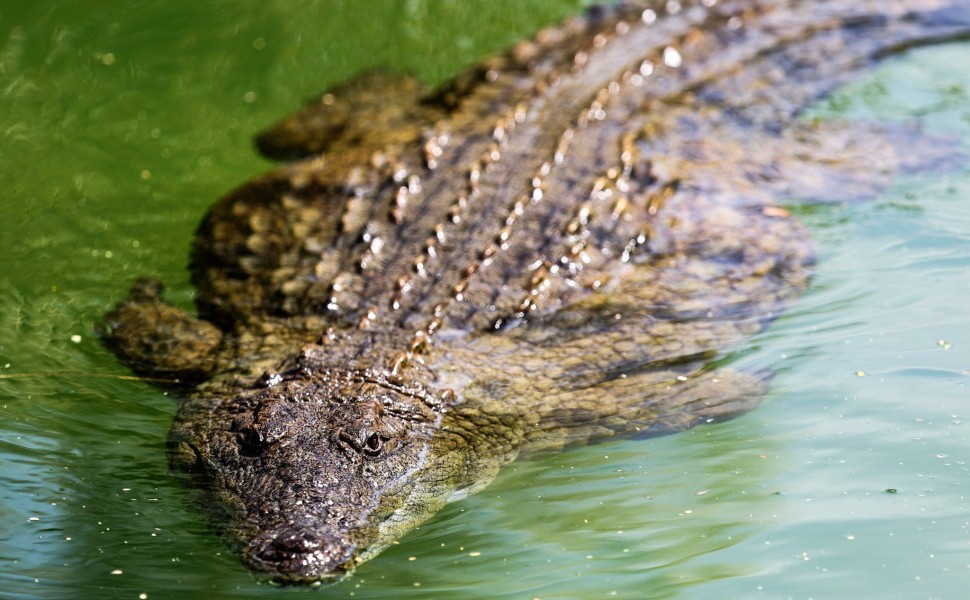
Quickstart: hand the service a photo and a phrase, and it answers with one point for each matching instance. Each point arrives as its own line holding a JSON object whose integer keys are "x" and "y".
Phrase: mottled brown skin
{"x": 547, "y": 251}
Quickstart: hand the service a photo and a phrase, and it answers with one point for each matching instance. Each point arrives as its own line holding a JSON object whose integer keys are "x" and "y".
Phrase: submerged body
{"x": 550, "y": 250}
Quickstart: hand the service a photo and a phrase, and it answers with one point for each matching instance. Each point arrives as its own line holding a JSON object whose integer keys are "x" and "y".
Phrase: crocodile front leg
{"x": 159, "y": 340}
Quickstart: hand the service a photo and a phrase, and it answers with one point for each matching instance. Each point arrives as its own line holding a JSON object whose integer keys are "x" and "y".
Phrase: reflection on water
{"x": 109, "y": 164}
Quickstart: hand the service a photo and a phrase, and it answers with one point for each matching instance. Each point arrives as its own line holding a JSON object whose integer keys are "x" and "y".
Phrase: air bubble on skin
{"x": 272, "y": 379}
{"x": 672, "y": 57}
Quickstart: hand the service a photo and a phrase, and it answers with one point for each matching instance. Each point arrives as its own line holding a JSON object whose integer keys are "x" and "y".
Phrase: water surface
{"x": 121, "y": 125}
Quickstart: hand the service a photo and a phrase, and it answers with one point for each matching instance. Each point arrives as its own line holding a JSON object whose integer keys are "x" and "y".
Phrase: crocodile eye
{"x": 373, "y": 445}
{"x": 376, "y": 445}
{"x": 250, "y": 442}
{"x": 369, "y": 443}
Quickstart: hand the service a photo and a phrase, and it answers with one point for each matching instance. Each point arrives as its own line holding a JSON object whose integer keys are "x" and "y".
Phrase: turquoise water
{"x": 120, "y": 125}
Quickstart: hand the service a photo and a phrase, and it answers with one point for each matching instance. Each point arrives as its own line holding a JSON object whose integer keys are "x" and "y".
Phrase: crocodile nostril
{"x": 295, "y": 554}
{"x": 299, "y": 542}
{"x": 289, "y": 551}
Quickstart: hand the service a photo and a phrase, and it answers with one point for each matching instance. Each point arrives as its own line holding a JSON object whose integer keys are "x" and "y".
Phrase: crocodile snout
{"x": 300, "y": 554}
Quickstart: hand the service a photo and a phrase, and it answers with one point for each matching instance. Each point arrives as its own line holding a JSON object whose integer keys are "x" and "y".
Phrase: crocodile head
{"x": 317, "y": 472}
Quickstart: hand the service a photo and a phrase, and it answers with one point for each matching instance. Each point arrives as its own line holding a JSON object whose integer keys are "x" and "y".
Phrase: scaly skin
{"x": 545, "y": 252}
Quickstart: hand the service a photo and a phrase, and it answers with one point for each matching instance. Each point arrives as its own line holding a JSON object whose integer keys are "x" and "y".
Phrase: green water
{"x": 120, "y": 124}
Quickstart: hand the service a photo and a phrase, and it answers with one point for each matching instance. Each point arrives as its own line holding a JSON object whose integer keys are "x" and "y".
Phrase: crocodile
{"x": 552, "y": 249}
